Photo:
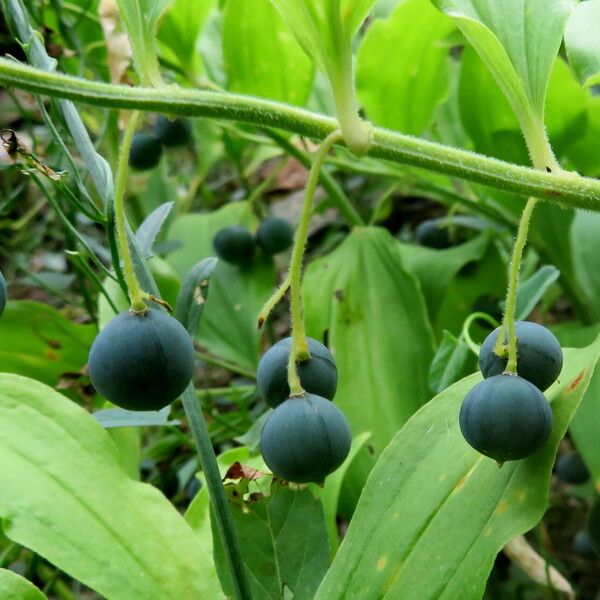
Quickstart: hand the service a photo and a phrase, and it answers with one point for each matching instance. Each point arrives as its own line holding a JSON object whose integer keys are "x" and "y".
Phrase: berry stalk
{"x": 136, "y": 294}
{"x": 299, "y": 350}
{"x": 543, "y": 159}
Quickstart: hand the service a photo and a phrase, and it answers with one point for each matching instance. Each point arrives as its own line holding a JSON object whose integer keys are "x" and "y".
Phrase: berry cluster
{"x": 306, "y": 437}
{"x": 237, "y": 245}
{"x": 147, "y": 147}
{"x": 506, "y": 416}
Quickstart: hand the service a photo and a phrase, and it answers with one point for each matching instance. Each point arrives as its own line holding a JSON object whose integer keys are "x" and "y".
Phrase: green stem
{"x": 508, "y": 324}
{"x": 136, "y": 295}
{"x": 543, "y": 159}
{"x": 562, "y": 188}
{"x": 210, "y": 468}
{"x": 299, "y": 350}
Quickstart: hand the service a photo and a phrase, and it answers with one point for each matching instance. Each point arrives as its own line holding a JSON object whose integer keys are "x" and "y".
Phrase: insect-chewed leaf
{"x": 283, "y": 540}
{"x": 435, "y": 513}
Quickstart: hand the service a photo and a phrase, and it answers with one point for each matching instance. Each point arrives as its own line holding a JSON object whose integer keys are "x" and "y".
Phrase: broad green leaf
{"x": 369, "y": 306}
{"x": 494, "y": 128}
{"x": 550, "y": 234}
{"x": 435, "y": 512}
{"x": 483, "y": 280}
{"x": 583, "y": 152}
{"x": 584, "y": 426}
{"x": 141, "y": 21}
{"x": 582, "y": 42}
{"x": 283, "y": 539}
{"x": 452, "y": 361}
{"x": 228, "y": 325}
{"x": 518, "y": 40}
{"x": 179, "y": 32}
{"x": 15, "y": 587}
{"x": 41, "y": 342}
{"x": 404, "y": 97}
{"x": 329, "y": 493}
{"x": 435, "y": 269}
{"x": 585, "y": 246}
{"x": 262, "y": 57}
{"x": 532, "y": 290}
{"x": 64, "y": 493}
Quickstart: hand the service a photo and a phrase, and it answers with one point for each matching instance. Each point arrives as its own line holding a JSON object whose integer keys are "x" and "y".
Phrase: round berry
{"x": 434, "y": 233}
{"x": 539, "y": 355}
{"x": 583, "y": 547}
{"x": 142, "y": 361}
{"x": 172, "y": 132}
{"x": 145, "y": 151}
{"x": 234, "y": 245}
{"x": 305, "y": 439}
{"x": 570, "y": 468}
{"x": 593, "y": 526}
{"x": 318, "y": 375}
{"x": 3, "y": 293}
{"x": 506, "y": 418}
{"x": 274, "y": 235}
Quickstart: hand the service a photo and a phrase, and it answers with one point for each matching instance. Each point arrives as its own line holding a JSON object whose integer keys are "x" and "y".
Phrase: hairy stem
{"x": 566, "y": 189}
{"x": 543, "y": 159}
{"x": 299, "y": 350}
{"x": 136, "y": 295}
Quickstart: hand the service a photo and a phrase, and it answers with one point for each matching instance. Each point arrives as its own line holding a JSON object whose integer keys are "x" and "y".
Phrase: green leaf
{"x": 262, "y": 57}
{"x": 228, "y": 325}
{"x": 148, "y": 231}
{"x": 518, "y": 41}
{"x": 582, "y": 42}
{"x": 435, "y": 269}
{"x": 370, "y": 306}
{"x": 141, "y": 21}
{"x": 405, "y": 97}
{"x": 585, "y": 246}
{"x": 283, "y": 539}
{"x": 484, "y": 280}
{"x": 41, "y": 343}
{"x": 584, "y": 426}
{"x": 15, "y": 587}
{"x": 329, "y": 493}
{"x": 65, "y": 494}
{"x": 583, "y": 152}
{"x": 532, "y": 290}
{"x": 324, "y": 29}
{"x": 451, "y": 362}
{"x": 431, "y": 497}
{"x": 494, "y": 128}
{"x": 179, "y": 32}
